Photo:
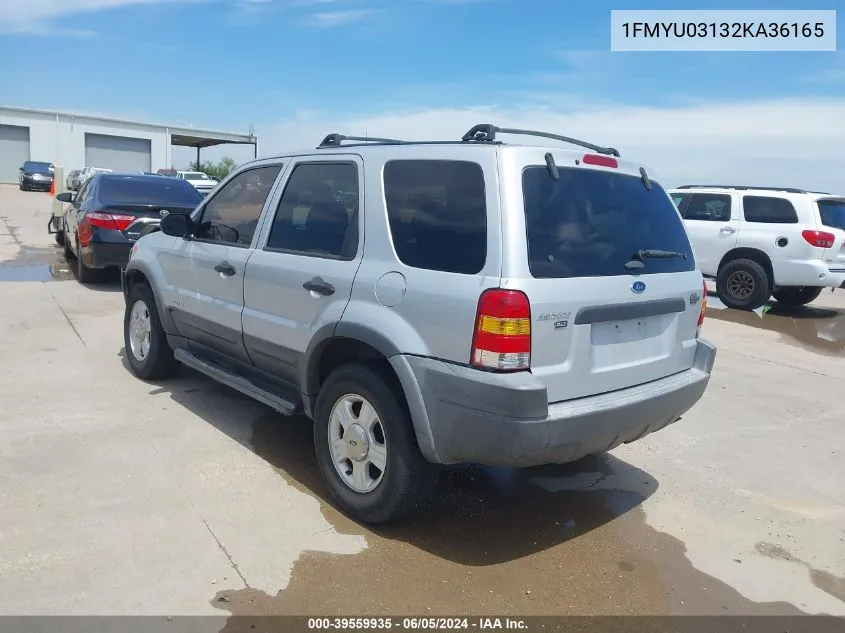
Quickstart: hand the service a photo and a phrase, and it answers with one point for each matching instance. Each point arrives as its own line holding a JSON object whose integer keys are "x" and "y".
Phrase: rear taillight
{"x": 820, "y": 239}
{"x": 502, "y": 337}
{"x": 601, "y": 161}
{"x": 703, "y": 310}
{"x": 113, "y": 221}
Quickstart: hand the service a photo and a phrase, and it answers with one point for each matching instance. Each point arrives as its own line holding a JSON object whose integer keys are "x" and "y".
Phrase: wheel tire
{"x": 85, "y": 274}
{"x": 797, "y": 295}
{"x": 159, "y": 361}
{"x": 59, "y": 236}
{"x": 755, "y": 279}
{"x": 408, "y": 478}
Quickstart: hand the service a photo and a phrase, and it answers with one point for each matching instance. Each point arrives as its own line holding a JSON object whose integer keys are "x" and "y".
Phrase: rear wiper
{"x": 641, "y": 255}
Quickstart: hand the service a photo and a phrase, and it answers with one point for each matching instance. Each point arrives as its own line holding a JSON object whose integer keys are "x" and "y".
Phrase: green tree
{"x": 217, "y": 170}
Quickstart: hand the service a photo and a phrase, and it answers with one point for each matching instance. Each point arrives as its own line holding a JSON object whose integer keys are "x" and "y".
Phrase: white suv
{"x": 760, "y": 242}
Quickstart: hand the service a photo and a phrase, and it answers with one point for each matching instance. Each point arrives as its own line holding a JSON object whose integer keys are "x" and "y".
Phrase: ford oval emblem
{"x": 638, "y": 287}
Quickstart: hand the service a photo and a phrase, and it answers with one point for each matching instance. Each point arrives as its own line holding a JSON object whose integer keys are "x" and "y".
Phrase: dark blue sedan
{"x": 108, "y": 213}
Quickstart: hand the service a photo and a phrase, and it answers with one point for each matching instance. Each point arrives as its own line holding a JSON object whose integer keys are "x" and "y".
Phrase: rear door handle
{"x": 727, "y": 229}
{"x": 319, "y": 286}
{"x": 225, "y": 268}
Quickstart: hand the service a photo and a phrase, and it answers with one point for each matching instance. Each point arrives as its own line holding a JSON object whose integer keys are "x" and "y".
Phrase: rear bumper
{"x": 107, "y": 254}
{"x": 812, "y": 272}
{"x": 465, "y": 415}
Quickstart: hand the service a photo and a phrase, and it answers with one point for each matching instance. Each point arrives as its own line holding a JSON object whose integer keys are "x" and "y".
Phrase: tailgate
{"x": 832, "y": 217}
{"x": 585, "y": 344}
{"x": 614, "y": 290}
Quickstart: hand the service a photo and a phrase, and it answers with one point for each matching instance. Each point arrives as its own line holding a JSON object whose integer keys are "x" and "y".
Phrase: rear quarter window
{"x": 769, "y": 210}
{"x": 589, "y": 223}
{"x": 437, "y": 214}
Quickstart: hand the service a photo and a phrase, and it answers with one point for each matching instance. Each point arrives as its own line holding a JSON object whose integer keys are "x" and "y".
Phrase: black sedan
{"x": 108, "y": 213}
{"x": 35, "y": 175}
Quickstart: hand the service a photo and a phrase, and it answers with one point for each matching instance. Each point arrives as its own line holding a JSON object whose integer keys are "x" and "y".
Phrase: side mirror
{"x": 65, "y": 196}
{"x": 176, "y": 225}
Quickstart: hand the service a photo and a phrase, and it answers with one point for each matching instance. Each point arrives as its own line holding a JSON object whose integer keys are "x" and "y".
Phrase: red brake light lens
{"x": 703, "y": 309}
{"x": 820, "y": 239}
{"x": 113, "y": 221}
{"x": 600, "y": 160}
{"x": 502, "y": 337}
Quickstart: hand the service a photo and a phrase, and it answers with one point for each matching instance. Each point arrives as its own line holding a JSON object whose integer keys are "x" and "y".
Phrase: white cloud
{"x": 330, "y": 19}
{"x": 791, "y": 142}
{"x": 38, "y": 17}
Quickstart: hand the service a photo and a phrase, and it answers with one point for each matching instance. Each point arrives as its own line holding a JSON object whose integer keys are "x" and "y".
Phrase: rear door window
{"x": 709, "y": 207}
{"x": 437, "y": 214}
{"x": 832, "y": 213}
{"x": 590, "y": 223}
{"x": 769, "y": 210}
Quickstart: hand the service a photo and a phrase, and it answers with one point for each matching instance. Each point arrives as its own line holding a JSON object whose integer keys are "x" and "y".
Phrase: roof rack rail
{"x": 486, "y": 132}
{"x": 743, "y": 188}
{"x": 336, "y": 140}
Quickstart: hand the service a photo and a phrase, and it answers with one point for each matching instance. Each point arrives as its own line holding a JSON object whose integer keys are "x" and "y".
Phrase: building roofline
{"x": 179, "y": 130}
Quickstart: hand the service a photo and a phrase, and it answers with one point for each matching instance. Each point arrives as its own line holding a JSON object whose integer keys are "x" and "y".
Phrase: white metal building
{"x": 74, "y": 141}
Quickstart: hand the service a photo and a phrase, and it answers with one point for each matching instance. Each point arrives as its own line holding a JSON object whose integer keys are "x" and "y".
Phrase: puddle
{"x": 491, "y": 542}
{"x": 36, "y": 264}
{"x": 817, "y": 329}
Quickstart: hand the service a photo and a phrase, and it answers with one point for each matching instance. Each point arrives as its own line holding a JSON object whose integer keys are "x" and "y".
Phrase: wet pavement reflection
{"x": 813, "y": 327}
{"x": 36, "y": 264}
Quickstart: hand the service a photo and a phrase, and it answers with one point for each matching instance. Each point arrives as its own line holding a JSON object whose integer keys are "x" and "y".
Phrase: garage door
{"x": 14, "y": 151}
{"x": 118, "y": 153}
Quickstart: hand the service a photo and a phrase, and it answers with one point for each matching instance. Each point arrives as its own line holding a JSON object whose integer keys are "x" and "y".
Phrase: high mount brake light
{"x": 600, "y": 160}
{"x": 502, "y": 337}
{"x": 820, "y": 239}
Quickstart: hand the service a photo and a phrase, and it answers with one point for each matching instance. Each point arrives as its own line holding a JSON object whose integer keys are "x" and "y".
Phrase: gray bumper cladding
{"x": 465, "y": 415}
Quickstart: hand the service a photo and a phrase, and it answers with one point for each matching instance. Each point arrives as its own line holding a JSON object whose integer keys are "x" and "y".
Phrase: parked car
{"x": 167, "y": 172}
{"x": 514, "y": 306}
{"x": 36, "y": 175}
{"x": 202, "y": 181}
{"x": 107, "y": 215}
{"x": 760, "y": 242}
{"x": 87, "y": 172}
{"x": 72, "y": 180}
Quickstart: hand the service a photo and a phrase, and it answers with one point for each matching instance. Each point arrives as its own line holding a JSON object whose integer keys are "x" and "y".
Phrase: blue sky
{"x": 225, "y": 64}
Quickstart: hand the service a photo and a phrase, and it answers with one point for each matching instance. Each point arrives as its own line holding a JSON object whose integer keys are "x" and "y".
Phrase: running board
{"x": 236, "y": 382}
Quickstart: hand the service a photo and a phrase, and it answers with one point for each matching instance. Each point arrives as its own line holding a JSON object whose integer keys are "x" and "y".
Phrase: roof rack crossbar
{"x": 336, "y": 140}
{"x": 743, "y": 188}
{"x": 486, "y": 132}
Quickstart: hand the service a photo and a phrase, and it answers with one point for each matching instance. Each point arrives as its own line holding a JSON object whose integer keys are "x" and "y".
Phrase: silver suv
{"x": 430, "y": 303}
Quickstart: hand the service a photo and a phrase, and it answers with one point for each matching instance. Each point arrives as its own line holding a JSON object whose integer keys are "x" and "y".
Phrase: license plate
{"x": 618, "y": 344}
{"x": 616, "y": 332}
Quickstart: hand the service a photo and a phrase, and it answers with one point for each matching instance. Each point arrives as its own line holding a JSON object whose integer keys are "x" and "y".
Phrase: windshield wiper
{"x": 641, "y": 255}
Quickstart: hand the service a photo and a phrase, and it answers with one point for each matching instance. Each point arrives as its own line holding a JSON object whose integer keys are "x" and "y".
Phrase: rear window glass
{"x": 153, "y": 190}
{"x": 832, "y": 213}
{"x": 590, "y": 223}
{"x": 437, "y": 214}
{"x": 769, "y": 210}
